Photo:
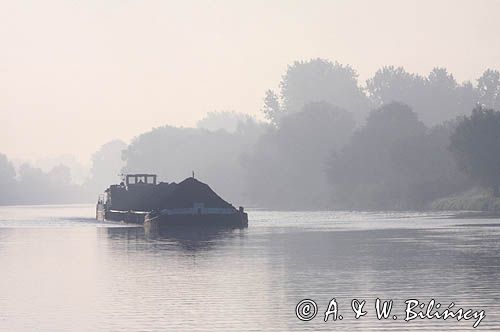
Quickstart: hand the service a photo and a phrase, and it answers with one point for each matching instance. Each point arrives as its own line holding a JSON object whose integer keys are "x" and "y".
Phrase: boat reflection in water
{"x": 196, "y": 238}
{"x": 177, "y": 237}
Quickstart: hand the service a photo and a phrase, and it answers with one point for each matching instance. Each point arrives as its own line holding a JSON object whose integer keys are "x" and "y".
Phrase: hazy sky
{"x": 75, "y": 74}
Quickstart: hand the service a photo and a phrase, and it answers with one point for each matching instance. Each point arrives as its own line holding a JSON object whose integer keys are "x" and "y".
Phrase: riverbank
{"x": 470, "y": 200}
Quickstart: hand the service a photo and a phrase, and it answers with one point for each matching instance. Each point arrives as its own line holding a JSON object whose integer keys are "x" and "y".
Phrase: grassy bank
{"x": 471, "y": 200}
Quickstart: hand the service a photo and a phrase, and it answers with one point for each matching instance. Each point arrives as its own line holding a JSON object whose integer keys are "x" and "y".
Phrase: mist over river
{"x": 60, "y": 270}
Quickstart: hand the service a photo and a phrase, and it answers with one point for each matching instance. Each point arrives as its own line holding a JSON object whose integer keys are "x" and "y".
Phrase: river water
{"x": 60, "y": 270}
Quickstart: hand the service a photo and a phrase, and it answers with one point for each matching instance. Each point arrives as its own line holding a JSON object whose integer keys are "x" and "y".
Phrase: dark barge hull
{"x": 132, "y": 217}
{"x": 237, "y": 219}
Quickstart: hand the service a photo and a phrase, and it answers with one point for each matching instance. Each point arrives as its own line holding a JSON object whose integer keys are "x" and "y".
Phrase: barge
{"x": 140, "y": 199}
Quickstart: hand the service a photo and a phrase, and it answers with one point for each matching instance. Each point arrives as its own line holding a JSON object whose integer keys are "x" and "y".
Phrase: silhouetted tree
{"x": 476, "y": 146}
{"x": 107, "y": 164}
{"x": 392, "y": 162}
{"x": 79, "y": 172}
{"x": 489, "y": 89}
{"x": 34, "y": 185}
{"x": 435, "y": 98}
{"x": 286, "y": 169}
{"x": 60, "y": 175}
{"x": 7, "y": 180}
{"x": 38, "y": 187}
{"x": 7, "y": 171}
{"x": 272, "y": 108}
{"x": 225, "y": 120}
{"x": 391, "y": 84}
{"x": 316, "y": 80}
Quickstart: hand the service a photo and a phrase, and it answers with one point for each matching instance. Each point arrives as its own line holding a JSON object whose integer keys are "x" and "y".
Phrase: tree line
{"x": 399, "y": 141}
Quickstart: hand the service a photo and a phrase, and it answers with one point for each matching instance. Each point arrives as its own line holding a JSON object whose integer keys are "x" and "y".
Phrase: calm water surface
{"x": 62, "y": 271}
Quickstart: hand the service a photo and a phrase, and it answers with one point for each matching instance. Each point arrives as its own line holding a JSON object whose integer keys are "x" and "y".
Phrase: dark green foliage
{"x": 476, "y": 146}
{"x": 393, "y": 162}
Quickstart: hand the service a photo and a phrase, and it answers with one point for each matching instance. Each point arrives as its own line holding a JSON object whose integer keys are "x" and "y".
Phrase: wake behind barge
{"x": 140, "y": 199}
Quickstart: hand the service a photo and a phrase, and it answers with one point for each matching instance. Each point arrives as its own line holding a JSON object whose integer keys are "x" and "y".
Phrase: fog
{"x": 282, "y": 104}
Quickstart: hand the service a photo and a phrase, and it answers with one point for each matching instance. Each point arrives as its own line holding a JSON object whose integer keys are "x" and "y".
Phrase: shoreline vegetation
{"x": 398, "y": 141}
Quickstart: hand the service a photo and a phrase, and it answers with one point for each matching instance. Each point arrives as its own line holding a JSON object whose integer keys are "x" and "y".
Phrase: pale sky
{"x": 76, "y": 74}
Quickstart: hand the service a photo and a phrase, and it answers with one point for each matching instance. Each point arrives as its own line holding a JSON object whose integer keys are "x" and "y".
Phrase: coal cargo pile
{"x": 192, "y": 191}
